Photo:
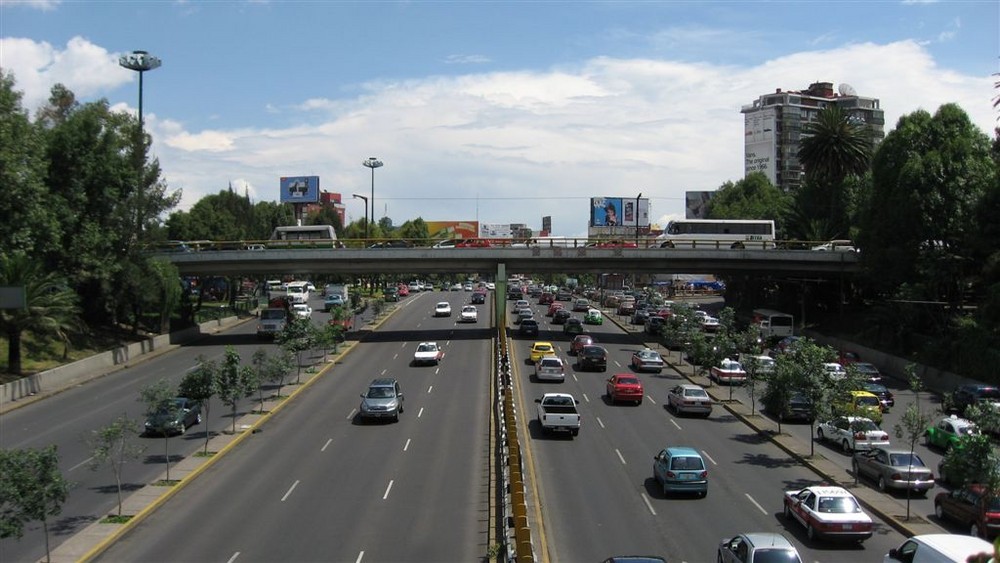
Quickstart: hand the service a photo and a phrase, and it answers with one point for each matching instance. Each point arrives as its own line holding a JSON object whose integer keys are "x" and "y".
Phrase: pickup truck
{"x": 557, "y": 413}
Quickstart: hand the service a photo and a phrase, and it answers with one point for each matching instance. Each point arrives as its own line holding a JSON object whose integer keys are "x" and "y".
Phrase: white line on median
{"x": 387, "y": 489}
{"x": 649, "y": 505}
{"x": 759, "y": 507}
{"x": 323, "y": 449}
{"x": 290, "y": 489}
{"x": 620, "y": 456}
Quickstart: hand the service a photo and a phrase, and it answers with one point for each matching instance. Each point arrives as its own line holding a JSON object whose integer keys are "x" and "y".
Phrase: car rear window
{"x": 687, "y": 463}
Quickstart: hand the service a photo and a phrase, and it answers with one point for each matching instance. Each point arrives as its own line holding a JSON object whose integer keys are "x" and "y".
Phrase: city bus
{"x": 718, "y": 233}
{"x": 304, "y": 236}
{"x": 773, "y": 324}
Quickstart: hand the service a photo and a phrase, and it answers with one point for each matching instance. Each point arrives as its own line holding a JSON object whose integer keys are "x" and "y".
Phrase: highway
{"x": 316, "y": 484}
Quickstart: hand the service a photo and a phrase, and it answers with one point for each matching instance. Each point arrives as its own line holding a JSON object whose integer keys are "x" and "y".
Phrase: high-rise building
{"x": 773, "y": 127}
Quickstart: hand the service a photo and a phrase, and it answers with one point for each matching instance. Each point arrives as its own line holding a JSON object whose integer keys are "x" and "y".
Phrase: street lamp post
{"x": 372, "y": 163}
{"x": 637, "y": 198}
{"x": 140, "y": 61}
{"x": 356, "y": 196}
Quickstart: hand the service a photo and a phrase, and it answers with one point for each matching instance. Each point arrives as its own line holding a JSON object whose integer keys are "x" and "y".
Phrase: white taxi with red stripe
{"x": 828, "y": 512}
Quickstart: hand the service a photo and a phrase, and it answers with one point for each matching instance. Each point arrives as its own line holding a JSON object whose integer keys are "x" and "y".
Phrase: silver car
{"x": 758, "y": 547}
{"x": 383, "y": 399}
{"x": 893, "y": 469}
{"x": 689, "y": 398}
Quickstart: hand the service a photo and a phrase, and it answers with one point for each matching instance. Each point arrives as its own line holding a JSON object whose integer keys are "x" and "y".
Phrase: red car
{"x": 553, "y": 307}
{"x": 579, "y": 342}
{"x": 403, "y": 290}
{"x": 613, "y": 244}
{"x": 625, "y": 387}
{"x": 971, "y": 507}
{"x": 546, "y": 298}
{"x": 473, "y": 243}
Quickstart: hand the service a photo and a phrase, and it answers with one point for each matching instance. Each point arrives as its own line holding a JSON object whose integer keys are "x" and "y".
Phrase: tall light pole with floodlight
{"x": 372, "y": 163}
{"x": 140, "y": 61}
{"x": 357, "y": 196}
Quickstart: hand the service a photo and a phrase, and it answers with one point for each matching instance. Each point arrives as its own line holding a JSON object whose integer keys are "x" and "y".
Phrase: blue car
{"x": 333, "y": 300}
{"x": 680, "y": 469}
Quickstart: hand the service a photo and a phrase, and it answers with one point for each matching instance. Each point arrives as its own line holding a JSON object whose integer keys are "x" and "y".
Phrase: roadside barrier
{"x": 515, "y": 532}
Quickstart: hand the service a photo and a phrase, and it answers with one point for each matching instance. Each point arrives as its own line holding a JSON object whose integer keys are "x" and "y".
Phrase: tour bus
{"x": 298, "y": 292}
{"x": 305, "y": 236}
{"x": 773, "y": 324}
{"x": 718, "y": 233}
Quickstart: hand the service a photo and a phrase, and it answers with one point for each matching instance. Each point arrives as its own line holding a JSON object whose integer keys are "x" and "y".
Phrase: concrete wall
{"x": 81, "y": 371}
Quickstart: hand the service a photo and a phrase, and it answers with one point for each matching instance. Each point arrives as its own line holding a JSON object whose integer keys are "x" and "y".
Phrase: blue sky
{"x": 500, "y": 112}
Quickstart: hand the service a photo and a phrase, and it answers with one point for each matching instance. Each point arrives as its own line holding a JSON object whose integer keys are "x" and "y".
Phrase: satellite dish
{"x": 846, "y": 90}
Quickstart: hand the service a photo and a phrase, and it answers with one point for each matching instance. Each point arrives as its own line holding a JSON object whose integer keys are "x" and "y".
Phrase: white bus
{"x": 305, "y": 235}
{"x": 298, "y": 292}
{"x": 773, "y": 324}
{"x": 718, "y": 233}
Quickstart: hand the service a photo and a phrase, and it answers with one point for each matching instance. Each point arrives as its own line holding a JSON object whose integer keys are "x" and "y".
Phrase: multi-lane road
{"x": 316, "y": 484}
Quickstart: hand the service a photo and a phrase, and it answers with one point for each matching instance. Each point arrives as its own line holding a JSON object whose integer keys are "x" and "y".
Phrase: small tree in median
{"x": 199, "y": 385}
{"x": 32, "y": 489}
{"x": 913, "y": 424}
{"x": 161, "y": 410}
{"x": 112, "y": 445}
{"x": 296, "y": 338}
{"x": 234, "y": 382}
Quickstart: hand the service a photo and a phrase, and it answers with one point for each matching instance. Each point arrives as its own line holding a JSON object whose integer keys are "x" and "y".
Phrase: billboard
{"x": 495, "y": 230}
{"x": 299, "y": 189}
{"x": 759, "y": 143}
{"x": 619, "y": 211}
{"x": 453, "y": 229}
{"x": 696, "y": 204}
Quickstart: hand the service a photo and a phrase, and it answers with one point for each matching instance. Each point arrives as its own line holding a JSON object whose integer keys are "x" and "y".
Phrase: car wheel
{"x": 819, "y": 434}
{"x": 639, "y": 402}
{"x": 395, "y": 417}
{"x": 846, "y": 446}
{"x": 938, "y": 511}
{"x": 974, "y": 530}
{"x": 881, "y": 484}
{"x": 927, "y": 440}
{"x": 666, "y": 493}
{"x": 787, "y": 512}
{"x": 811, "y": 532}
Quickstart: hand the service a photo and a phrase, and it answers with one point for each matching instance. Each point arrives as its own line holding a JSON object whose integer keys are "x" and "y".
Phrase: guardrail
{"x": 515, "y": 531}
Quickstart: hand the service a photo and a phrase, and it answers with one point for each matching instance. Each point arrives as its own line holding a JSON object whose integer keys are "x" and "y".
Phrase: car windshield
{"x": 426, "y": 348}
{"x": 776, "y": 555}
{"x": 544, "y": 348}
{"x": 687, "y": 464}
{"x": 838, "y": 505}
{"x": 380, "y": 393}
{"x": 966, "y": 430}
{"x": 875, "y": 388}
{"x": 903, "y": 460}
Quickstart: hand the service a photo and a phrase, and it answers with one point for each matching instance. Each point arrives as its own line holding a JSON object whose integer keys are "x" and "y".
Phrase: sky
{"x": 498, "y": 112}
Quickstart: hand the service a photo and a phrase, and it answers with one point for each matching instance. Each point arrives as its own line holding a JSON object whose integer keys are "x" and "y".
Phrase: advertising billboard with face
{"x": 453, "y": 229}
{"x": 619, "y": 211}
{"x": 299, "y": 189}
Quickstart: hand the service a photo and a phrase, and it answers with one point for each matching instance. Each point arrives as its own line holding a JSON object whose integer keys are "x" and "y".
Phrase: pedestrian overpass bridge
{"x": 534, "y": 260}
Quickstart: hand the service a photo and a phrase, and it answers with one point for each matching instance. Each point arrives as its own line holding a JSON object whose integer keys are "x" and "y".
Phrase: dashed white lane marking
{"x": 407, "y": 445}
{"x": 360, "y": 557}
{"x": 674, "y": 422}
{"x": 586, "y": 398}
{"x": 387, "y": 489}
{"x": 328, "y": 442}
{"x": 351, "y": 415}
{"x": 233, "y": 558}
{"x": 88, "y": 460}
{"x": 431, "y": 388}
{"x": 601, "y": 422}
{"x": 649, "y": 505}
{"x": 759, "y": 507}
{"x": 290, "y": 489}
{"x": 709, "y": 457}
{"x": 420, "y": 412}
{"x": 650, "y": 399}
{"x": 617, "y": 451}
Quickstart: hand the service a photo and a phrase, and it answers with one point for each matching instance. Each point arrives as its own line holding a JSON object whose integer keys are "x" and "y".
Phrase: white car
{"x": 469, "y": 314}
{"x": 427, "y": 353}
{"x": 852, "y": 433}
{"x": 761, "y": 365}
{"x": 828, "y": 512}
{"x": 729, "y": 371}
{"x": 550, "y": 368}
{"x": 836, "y": 246}
{"x": 442, "y": 309}
{"x": 835, "y": 370}
{"x": 302, "y": 311}
{"x": 690, "y": 398}
{"x": 491, "y": 286}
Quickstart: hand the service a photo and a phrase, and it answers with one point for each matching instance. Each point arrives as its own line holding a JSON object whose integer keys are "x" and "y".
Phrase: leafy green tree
{"x": 199, "y": 385}
{"x": 32, "y": 489}
{"x": 753, "y": 197}
{"x": 913, "y": 425}
{"x": 779, "y": 390}
{"x": 28, "y": 225}
{"x": 326, "y": 215}
{"x": 415, "y": 230}
{"x": 112, "y": 445}
{"x": 752, "y": 344}
{"x": 235, "y": 382}
{"x": 272, "y": 367}
{"x": 160, "y": 404}
{"x": 801, "y": 369}
{"x": 297, "y": 337}
{"x": 51, "y": 311}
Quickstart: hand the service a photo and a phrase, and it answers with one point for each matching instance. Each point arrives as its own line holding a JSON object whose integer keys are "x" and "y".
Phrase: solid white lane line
{"x": 709, "y": 457}
{"x": 620, "y": 456}
{"x": 601, "y": 422}
{"x": 290, "y": 489}
{"x": 649, "y": 505}
{"x": 674, "y": 422}
{"x": 323, "y": 449}
{"x": 407, "y": 445}
{"x": 650, "y": 399}
{"x": 353, "y": 412}
{"x": 88, "y": 460}
{"x": 420, "y": 412}
{"x": 759, "y": 507}
{"x": 233, "y": 558}
{"x": 387, "y": 489}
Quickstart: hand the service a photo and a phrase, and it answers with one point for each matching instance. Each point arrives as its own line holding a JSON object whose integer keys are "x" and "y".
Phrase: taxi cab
{"x": 859, "y": 403}
{"x": 540, "y": 350}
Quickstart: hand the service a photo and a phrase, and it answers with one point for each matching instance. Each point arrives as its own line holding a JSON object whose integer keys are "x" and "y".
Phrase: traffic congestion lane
{"x": 628, "y": 425}
{"x": 369, "y": 480}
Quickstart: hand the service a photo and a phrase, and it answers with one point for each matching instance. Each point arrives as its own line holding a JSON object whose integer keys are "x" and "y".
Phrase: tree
{"x": 801, "y": 368}
{"x": 199, "y": 385}
{"x": 234, "y": 382}
{"x": 753, "y": 197}
{"x": 159, "y": 399}
{"x": 271, "y": 367}
{"x": 32, "y": 489}
{"x": 51, "y": 310}
{"x": 751, "y": 342}
{"x": 112, "y": 446}
{"x": 297, "y": 337}
{"x": 913, "y": 426}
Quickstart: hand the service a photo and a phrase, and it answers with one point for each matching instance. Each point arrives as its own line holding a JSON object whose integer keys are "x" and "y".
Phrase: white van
{"x": 298, "y": 292}
{"x": 938, "y": 548}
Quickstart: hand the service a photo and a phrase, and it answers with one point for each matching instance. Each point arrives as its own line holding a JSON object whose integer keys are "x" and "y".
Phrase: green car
{"x": 593, "y": 317}
{"x": 947, "y": 431}
{"x": 573, "y": 326}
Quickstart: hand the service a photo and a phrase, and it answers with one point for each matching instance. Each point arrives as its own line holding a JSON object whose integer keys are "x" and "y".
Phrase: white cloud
{"x": 514, "y": 146}
{"x": 466, "y": 59}
{"x": 44, "y": 5}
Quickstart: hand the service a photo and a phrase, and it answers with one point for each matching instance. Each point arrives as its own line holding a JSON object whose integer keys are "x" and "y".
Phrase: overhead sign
{"x": 299, "y": 189}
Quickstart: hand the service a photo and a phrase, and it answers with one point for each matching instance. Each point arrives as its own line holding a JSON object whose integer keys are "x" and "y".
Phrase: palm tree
{"x": 51, "y": 308}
